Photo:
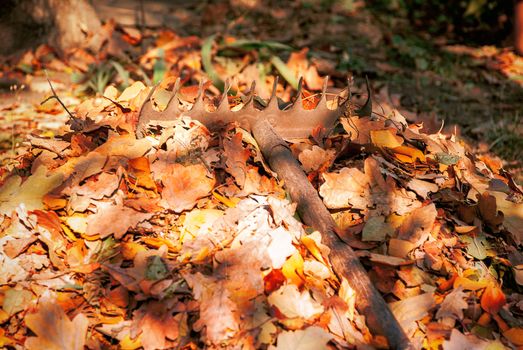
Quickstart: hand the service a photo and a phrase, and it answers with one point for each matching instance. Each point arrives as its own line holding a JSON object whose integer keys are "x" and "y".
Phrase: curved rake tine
{"x": 172, "y": 105}
{"x": 224, "y": 102}
{"x": 272, "y": 104}
{"x": 298, "y": 101}
{"x": 198, "y": 103}
{"x": 322, "y": 103}
{"x": 250, "y": 96}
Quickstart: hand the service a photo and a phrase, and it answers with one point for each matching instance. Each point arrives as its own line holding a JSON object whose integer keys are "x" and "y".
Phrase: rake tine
{"x": 173, "y": 104}
{"x": 322, "y": 103}
{"x": 198, "y": 103}
{"x": 224, "y": 103}
{"x": 298, "y": 101}
{"x": 272, "y": 104}
{"x": 249, "y": 105}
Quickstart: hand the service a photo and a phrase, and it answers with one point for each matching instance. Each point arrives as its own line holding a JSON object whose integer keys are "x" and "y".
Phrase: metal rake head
{"x": 291, "y": 123}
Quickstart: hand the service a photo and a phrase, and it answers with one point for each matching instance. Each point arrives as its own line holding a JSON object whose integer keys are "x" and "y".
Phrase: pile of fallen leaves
{"x": 184, "y": 239}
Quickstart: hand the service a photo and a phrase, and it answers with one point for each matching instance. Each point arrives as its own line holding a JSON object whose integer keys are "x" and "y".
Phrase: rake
{"x": 271, "y": 126}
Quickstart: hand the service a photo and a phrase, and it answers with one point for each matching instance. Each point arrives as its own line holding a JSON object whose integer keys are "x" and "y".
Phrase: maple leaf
{"x": 311, "y": 338}
{"x": 54, "y": 330}
{"x": 30, "y": 192}
{"x": 184, "y": 185}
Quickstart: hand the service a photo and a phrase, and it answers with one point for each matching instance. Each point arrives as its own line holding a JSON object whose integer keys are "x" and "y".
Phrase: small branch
{"x": 55, "y": 96}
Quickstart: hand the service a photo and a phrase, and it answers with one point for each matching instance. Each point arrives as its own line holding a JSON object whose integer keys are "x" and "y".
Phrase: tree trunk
{"x": 518, "y": 27}
{"x": 64, "y": 24}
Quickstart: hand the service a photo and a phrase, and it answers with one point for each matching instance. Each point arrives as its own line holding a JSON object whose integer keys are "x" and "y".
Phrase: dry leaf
{"x": 347, "y": 188}
{"x": 184, "y": 185}
{"x": 311, "y": 338}
{"x": 418, "y": 225}
{"x": 493, "y": 299}
{"x": 30, "y": 192}
{"x": 54, "y": 330}
{"x": 291, "y": 303}
{"x": 316, "y": 158}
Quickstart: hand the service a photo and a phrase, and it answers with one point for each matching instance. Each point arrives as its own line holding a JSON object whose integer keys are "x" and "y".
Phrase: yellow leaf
{"x": 292, "y": 269}
{"x": 199, "y": 221}
{"x": 472, "y": 283}
{"x": 311, "y": 242}
{"x": 130, "y": 249}
{"x": 30, "y": 192}
{"x": 129, "y": 344}
{"x": 385, "y": 138}
{"x": 131, "y": 92}
{"x": 229, "y": 202}
{"x": 349, "y": 296}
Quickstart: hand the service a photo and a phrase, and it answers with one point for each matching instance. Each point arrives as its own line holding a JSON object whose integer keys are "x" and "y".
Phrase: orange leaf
{"x": 408, "y": 154}
{"x": 515, "y": 335}
{"x": 493, "y": 299}
{"x": 385, "y": 138}
{"x": 185, "y": 186}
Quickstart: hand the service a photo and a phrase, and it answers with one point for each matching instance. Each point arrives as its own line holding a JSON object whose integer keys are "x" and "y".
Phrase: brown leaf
{"x": 418, "y": 225}
{"x": 184, "y": 186}
{"x": 113, "y": 219}
{"x": 236, "y": 158}
{"x": 54, "y": 330}
{"x": 158, "y": 326}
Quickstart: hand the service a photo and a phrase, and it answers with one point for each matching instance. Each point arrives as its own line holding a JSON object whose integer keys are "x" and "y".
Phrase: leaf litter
{"x": 184, "y": 239}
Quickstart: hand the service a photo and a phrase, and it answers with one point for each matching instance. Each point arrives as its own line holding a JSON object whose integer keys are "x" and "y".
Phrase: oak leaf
{"x": 113, "y": 219}
{"x": 184, "y": 185}
{"x": 418, "y": 225}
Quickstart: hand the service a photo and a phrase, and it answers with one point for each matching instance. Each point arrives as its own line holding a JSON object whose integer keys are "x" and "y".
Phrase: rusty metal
{"x": 294, "y": 122}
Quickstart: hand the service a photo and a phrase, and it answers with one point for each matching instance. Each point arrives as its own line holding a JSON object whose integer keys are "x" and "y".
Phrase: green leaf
{"x": 249, "y": 45}
{"x": 122, "y": 73}
{"x": 447, "y": 159}
{"x": 476, "y": 246}
{"x": 285, "y": 72}
{"x": 207, "y": 62}
{"x": 376, "y": 229}
{"x": 156, "y": 268}
{"x": 159, "y": 68}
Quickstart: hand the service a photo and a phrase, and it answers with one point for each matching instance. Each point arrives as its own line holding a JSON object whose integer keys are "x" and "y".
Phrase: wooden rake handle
{"x": 314, "y": 213}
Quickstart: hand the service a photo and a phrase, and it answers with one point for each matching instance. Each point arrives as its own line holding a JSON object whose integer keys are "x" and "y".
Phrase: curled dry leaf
{"x": 236, "y": 158}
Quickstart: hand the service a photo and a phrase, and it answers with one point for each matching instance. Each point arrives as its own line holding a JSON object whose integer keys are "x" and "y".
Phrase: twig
{"x": 55, "y": 96}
